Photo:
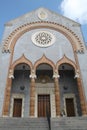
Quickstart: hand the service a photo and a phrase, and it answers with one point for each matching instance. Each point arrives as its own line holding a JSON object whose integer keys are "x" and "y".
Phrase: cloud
{"x": 75, "y": 9}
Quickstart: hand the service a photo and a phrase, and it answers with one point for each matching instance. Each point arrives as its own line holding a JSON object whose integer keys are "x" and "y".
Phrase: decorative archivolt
{"x": 33, "y": 68}
{"x": 10, "y": 41}
{"x": 22, "y": 59}
{"x": 67, "y": 61}
{"x": 45, "y": 60}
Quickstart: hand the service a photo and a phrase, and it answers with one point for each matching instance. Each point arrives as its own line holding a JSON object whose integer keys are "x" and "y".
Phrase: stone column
{"x": 32, "y": 94}
{"x": 57, "y": 93}
{"x": 82, "y": 97}
{"x": 6, "y": 105}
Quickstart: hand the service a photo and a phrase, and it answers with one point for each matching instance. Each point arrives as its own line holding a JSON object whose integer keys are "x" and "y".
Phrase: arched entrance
{"x": 44, "y": 90}
{"x": 70, "y": 101}
{"x": 20, "y": 91}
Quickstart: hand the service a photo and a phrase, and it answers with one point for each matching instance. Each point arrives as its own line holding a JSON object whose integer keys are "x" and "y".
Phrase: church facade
{"x": 43, "y": 67}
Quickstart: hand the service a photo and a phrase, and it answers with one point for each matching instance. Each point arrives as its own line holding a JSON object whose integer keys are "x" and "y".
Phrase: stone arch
{"x": 44, "y": 68}
{"x": 44, "y": 59}
{"x": 66, "y": 60}
{"x": 14, "y": 36}
{"x": 79, "y": 81}
{"x": 6, "y": 104}
{"x": 22, "y": 59}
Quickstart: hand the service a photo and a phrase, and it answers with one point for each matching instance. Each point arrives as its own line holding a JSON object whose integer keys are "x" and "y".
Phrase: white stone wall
{"x": 83, "y": 68}
{"x": 4, "y": 66}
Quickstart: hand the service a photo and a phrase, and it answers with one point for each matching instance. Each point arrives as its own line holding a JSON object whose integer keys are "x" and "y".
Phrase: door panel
{"x": 17, "y": 108}
{"x": 70, "y": 107}
{"x": 43, "y": 105}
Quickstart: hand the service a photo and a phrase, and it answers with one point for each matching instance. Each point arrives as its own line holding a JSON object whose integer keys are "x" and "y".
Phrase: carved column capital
{"x": 11, "y": 76}
{"x": 33, "y": 75}
{"x": 77, "y": 75}
{"x": 56, "y": 75}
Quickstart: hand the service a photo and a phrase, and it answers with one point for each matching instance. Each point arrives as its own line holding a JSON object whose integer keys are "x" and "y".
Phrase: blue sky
{"x": 11, "y": 9}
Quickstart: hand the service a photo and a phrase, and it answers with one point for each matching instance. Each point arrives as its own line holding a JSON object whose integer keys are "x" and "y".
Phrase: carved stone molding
{"x": 10, "y": 41}
{"x": 44, "y": 59}
{"x": 22, "y": 59}
{"x": 67, "y": 61}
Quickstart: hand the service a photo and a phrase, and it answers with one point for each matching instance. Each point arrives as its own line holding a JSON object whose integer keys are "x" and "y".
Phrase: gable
{"x": 41, "y": 14}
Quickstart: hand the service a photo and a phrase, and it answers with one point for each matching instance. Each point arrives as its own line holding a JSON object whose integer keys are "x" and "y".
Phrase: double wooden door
{"x": 43, "y": 105}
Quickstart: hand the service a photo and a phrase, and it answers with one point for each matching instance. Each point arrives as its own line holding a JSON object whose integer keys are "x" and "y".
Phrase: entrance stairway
{"x": 23, "y": 124}
{"x": 69, "y": 123}
{"x": 62, "y": 123}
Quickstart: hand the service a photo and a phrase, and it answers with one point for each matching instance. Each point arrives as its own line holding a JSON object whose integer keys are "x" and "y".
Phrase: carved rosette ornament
{"x": 42, "y": 14}
{"x": 43, "y": 38}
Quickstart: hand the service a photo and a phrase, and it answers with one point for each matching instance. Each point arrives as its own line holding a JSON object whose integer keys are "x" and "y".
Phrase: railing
{"x": 48, "y": 118}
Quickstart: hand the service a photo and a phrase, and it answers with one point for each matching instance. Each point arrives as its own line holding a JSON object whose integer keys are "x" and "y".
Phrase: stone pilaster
{"x": 57, "y": 93}
{"x": 32, "y": 94}
{"x": 82, "y": 97}
{"x": 7, "y": 94}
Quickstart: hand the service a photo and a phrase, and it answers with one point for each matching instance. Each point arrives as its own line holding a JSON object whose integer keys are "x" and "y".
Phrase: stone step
{"x": 23, "y": 124}
{"x": 62, "y": 123}
{"x": 69, "y": 123}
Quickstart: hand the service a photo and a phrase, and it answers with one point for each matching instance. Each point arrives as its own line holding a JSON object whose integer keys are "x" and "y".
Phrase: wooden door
{"x": 70, "y": 107}
{"x": 43, "y": 105}
{"x": 17, "y": 108}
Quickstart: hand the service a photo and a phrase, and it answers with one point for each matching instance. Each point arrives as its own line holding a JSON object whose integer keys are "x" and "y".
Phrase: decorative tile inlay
{"x": 43, "y": 38}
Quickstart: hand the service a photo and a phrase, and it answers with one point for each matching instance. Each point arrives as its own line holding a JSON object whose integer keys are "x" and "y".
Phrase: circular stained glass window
{"x": 43, "y": 38}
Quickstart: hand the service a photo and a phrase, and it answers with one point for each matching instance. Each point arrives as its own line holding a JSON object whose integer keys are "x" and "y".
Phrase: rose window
{"x": 43, "y": 39}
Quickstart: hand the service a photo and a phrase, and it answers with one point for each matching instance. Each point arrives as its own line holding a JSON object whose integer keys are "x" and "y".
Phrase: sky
{"x": 73, "y": 9}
